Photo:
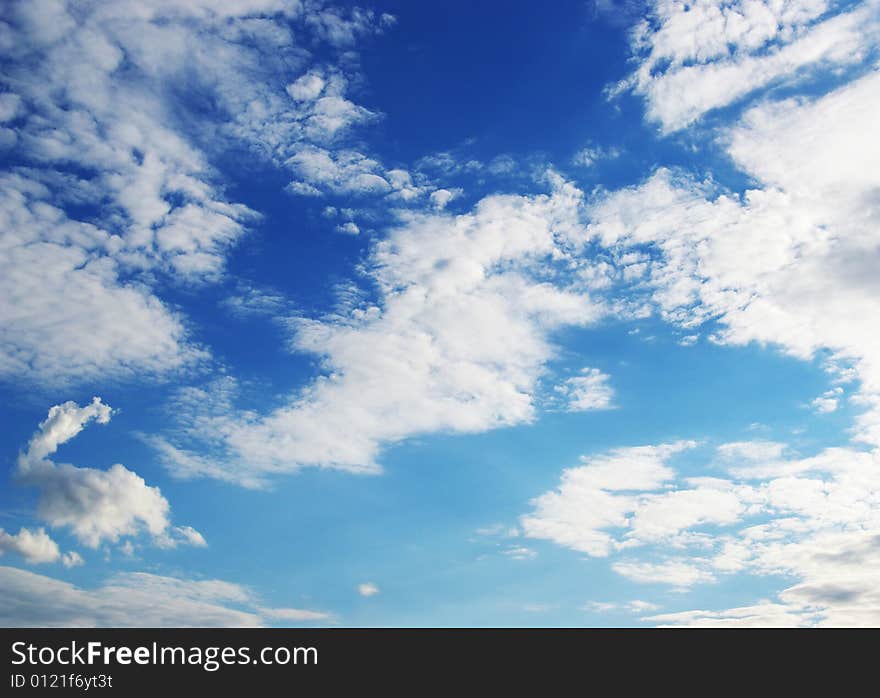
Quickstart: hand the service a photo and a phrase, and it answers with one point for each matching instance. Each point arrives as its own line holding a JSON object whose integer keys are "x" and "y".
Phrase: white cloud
{"x": 341, "y": 171}
{"x": 639, "y": 606}
{"x": 702, "y": 55}
{"x": 828, "y": 401}
{"x": 765, "y": 615}
{"x": 441, "y": 197}
{"x": 636, "y": 606}
{"x": 135, "y": 599}
{"x": 588, "y": 391}
{"x": 72, "y": 559}
{"x": 96, "y": 505}
{"x": 367, "y": 589}
{"x": 519, "y": 552}
{"x": 307, "y": 87}
{"x": 35, "y": 547}
{"x": 591, "y": 154}
{"x": 812, "y": 520}
{"x": 249, "y": 301}
{"x": 457, "y": 342}
{"x": 182, "y": 535}
{"x": 92, "y": 100}
{"x": 676, "y": 573}
{"x": 791, "y": 264}
{"x": 65, "y": 315}
{"x": 596, "y": 497}
{"x": 349, "y": 228}
{"x": 343, "y": 26}
{"x": 293, "y": 615}
{"x": 755, "y": 451}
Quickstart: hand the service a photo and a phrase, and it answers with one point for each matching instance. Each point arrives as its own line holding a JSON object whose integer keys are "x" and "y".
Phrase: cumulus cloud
{"x": 368, "y": 589}
{"x": 65, "y": 313}
{"x": 37, "y": 547}
{"x": 441, "y": 197}
{"x": 588, "y": 391}
{"x": 790, "y": 264}
{"x": 595, "y": 497}
{"x": 698, "y": 56}
{"x": 91, "y": 93}
{"x": 811, "y": 519}
{"x": 306, "y": 87}
{"x": 349, "y": 228}
{"x": 457, "y": 342}
{"x": 96, "y": 505}
{"x": 339, "y": 171}
{"x": 828, "y": 401}
{"x": 34, "y": 546}
{"x": 137, "y": 599}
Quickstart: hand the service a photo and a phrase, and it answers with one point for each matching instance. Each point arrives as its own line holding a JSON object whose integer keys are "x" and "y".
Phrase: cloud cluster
{"x": 367, "y": 589}
{"x": 588, "y": 391}
{"x": 813, "y": 519}
{"x": 137, "y": 599}
{"x": 702, "y": 55}
{"x": 111, "y": 114}
{"x": 97, "y": 506}
{"x": 36, "y": 547}
{"x": 594, "y": 497}
{"x": 791, "y": 264}
{"x": 457, "y": 342}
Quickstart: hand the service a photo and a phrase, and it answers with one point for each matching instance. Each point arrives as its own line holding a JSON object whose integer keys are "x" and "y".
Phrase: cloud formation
{"x": 788, "y": 264}
{"x": 588, "y": 391}
{"x": 812, "y": 519}
{"x": 36, "y": 547}
{"x": 103, "y": 111}
{"x": 703, "y": 55}
{"x": 97, "y": 506}
{"x": 137, "y": 599}
{"x": 368, "y": 589}
{"x": 456, "y": 342}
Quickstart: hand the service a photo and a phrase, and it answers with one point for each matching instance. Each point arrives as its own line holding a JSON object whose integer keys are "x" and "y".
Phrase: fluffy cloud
{"x": 96, "y": 505}
{"x": 591, "y": 154}
{"x": 698, "y": 56}
{"x": 65, "y": 313}
{"x": 791, "y": 264}
{"x": 441, "y": 197}
{"x": 91, "y": 99}
{"x": 828, "y": 401}
{"x": 588, "y": 391}
{"x": 594, "y": 497}
{"x": 678, "y": 574}
{"x": 368, "y": 589}
{"x": 34, "y": 546}
{"x": 136, "y": 599}
{"x": 457, "y": 342}
{"x": 341, "y": 171}
{"x": 810, "y": 519}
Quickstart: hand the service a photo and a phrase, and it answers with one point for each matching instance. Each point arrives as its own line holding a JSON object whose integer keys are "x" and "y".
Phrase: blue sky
{"x": 386, "y": 314}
